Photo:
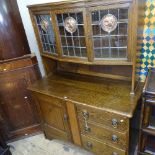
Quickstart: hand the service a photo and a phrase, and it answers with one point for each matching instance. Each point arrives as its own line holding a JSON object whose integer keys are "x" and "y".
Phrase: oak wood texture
{"x": 55, "y": 121}
{"x": 18, "y": 109}
{"x": 104, "y": 118}
{"x": 13, "y": 42}
{"x": 73, "y": 123}
{"x": 86, "y": 90}
{"x": 103, "y": 99}
{"x": 135, "y": 25}
{"x": 100, "y": 148}
{"x": 103, "y": 133}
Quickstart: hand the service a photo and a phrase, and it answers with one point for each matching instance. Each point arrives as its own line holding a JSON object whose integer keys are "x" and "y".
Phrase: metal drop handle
{"x": 87, "y": 128}
{"x": 85, "y": 114}
{"x": 89, "y": 145}
{"x": 114, "y": 122}
{"x": 114, "y": 138}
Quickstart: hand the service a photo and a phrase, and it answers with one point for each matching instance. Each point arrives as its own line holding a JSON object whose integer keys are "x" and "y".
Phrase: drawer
{"x": 100, "y": 148}
{"x": 105, "y": 118}
{"x": 113, "y": 137}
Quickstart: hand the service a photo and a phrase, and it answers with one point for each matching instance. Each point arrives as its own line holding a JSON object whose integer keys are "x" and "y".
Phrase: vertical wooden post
{"x": 73, "y": 123}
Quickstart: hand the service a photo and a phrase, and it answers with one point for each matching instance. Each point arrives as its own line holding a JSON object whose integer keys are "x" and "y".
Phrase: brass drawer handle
{"x": 87, "y": 129}
{"x": 114, "y": 122}
{"x": 114, "y": 153}
{"x": 85, "y": 114}
{"x": 114, "y": 138}
{"x": 89, "y": 145}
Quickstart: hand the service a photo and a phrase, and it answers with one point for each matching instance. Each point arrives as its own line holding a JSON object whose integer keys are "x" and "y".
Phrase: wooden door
{"x": 55, "y": 118}
{"x": 17, "y": 108}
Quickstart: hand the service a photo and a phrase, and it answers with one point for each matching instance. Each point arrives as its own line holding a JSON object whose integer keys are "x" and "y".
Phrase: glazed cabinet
{"x": 98, "y": 33}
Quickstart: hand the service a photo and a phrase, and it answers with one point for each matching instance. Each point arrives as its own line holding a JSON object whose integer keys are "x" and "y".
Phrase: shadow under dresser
{"x": 91, "y": 112}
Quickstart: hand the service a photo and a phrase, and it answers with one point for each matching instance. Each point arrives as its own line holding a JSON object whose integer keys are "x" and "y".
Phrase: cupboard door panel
{"x": 52, "y": 115}
{"x": 16, "y": 104}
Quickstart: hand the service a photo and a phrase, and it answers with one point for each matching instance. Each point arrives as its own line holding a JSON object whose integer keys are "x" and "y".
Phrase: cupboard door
{"x": 55, "y": 118}
{"x": 17, "y": 106}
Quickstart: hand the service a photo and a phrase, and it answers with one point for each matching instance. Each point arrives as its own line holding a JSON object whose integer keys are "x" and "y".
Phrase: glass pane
{"x": 76, "y": 41}
{"x": 115, "y": 32}
{"x": 79, "y": 18}
{"x": 97, "y": 42}
{"x": 105, "y": 53}
{"x": 81, "y": 30}
{"x": 46, "y": 33}
{"x": 123, "y": 14}
{"x": 98, "y": 53}
{"x": 71, "y": 51}
{"x": 95, "y": 16}
{"x": 96, "y": 29}
{"x": 105, "y": 41}
{"x": 114, "y": 12}
{"x": 122, "y": 41}
{"x": 77, "y": 52}
{"x": 63, "y": 41}
{"x": 69, "y": 41}
{"x": 123, "y": 28}
{"x": 61, "y": 30}
{"x": 82, "y": 42}
{"x": 83, "y": 52}
{"x": 114, "y": 41}
{"x": 103, "y": 13}
{"x": 123, "y": 53}
{"x": 114, "y": 53}
{"x": 59, "y": 18}
{"x": 65, "y": 51}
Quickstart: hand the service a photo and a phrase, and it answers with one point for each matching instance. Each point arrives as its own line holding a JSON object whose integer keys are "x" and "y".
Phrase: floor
{"x": 38, "y": 145}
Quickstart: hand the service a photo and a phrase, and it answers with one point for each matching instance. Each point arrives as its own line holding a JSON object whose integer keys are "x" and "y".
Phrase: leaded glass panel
{"x": 71, "y": 31}
{"x": 110, "y": 43}
{"x": 46, "y": 33}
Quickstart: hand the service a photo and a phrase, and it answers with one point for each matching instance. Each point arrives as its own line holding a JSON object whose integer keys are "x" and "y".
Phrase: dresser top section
{"x": 104, "y": 94}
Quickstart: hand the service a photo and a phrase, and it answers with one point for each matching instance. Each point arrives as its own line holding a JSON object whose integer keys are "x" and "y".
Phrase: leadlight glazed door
{"x": 110, "y": 37}
{"x": 44, "y": 30}
{"x": 71, "y": 33}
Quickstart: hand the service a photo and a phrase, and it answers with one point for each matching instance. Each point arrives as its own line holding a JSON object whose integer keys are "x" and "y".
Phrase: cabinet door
{"x": 55, "y": 118}
{"x": 17, "y": 106}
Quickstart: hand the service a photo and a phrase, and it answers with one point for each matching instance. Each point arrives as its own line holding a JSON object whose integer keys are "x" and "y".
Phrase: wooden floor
{"x": 38, "y": 145}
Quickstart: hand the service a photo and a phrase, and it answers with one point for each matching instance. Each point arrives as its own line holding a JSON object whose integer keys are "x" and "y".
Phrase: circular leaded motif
{"x": 70, "y": 24}
{"x": 109, "y": 23}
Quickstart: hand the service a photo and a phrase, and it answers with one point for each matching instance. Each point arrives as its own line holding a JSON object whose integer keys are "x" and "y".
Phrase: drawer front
{"x": 113, "y": 137}
{"x": 100, "y": 148}
{"x": 115, "y": 121}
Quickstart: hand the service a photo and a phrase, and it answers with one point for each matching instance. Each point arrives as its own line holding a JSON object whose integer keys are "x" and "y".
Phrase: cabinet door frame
{"x": 129, "y": 43}
{"x": 64, "y": 113}
{"x": 72, "y": 10}
{"x": 44, "y": 11}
